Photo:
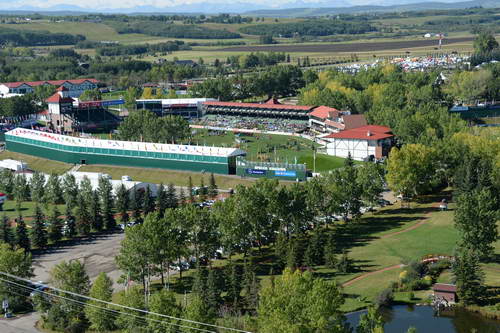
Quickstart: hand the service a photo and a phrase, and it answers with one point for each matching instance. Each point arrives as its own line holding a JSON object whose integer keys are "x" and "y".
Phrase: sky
{"x": 113, "y": 4}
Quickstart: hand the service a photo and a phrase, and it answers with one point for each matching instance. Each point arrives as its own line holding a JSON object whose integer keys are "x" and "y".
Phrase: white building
{"x": 74, "y": 87}
{"x": 361, "y": 143}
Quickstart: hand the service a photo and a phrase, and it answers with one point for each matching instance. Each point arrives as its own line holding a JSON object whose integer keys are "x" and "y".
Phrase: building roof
{"x": 124, "y": 145}
{"x": 259, "y": 106}
{"x": 324, "y": 112}
{"x": 51, "y": 82}
{"x": 57, "y": 98}
{"x": 354, "y": 121}
{"x": 368, "y": 132}
{"x": 62, "y": 88}
{"x": 445, "y": 287}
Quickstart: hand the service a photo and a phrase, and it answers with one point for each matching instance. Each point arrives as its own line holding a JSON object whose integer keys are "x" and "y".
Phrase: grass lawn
{"x": 178, "y": 178}
{"x": 27, "y": 209}
{"x": 37, "y": 163}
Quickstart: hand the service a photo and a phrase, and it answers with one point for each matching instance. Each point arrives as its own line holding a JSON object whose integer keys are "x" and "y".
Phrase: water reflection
{"x": 398, "y": 318}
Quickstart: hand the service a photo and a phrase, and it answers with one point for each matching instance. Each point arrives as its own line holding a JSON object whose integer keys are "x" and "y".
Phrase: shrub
{"x": 385, "y": 298}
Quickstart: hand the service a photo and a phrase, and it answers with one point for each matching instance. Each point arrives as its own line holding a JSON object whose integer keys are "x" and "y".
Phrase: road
{"x": 98, "y": 253}
{"x": 22, "y": 324}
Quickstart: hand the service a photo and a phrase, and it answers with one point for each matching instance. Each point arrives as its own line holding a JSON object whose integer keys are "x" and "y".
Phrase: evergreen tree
{"x": 21, "y": 188}
{"x": 136, "y": 207}
{"x": 37, "y": 185}
{"x": 82, "y": 218}
{"x": 22, "y": 239}
{"x": 198, "y": 310}
{"x": 212, "y": 187}
{"x": 95, "y": 213}
{"x": 172, "y": 196}
{"x": 203, "y": 190}
{"x": 161, "y": 200}
{"x": 86, "y": 190}
{"x": 55, "y": 226}
{"x": 200, "y": 281}
{"x": 7, "y": 182}
{"x": 102, "y": 289}
{"x": 106, "y": 195}
{"x": 70, "y": 225}
{"x": 469, "y": 276}
{"x": 190, "y": 190}
{"x": 314, "y": 253}
{"x": 38, "y": 232}
{"x": 7, "y": 235}
{"x": 344, "y": 264}
{"x": 70, "y": 190}
{"x": 182, "y": 196}
{"x": 233, "y": 283}
{"x": 149, "y": 203}
{"x": 213, "y": 291}
{"x": 123, "y": 203}
{"x": 294, "y": 256}
{"x": 53, "y": 190}
{"x": 281, "y": 249}
{"x": 329, "y": 252}
{"x": 251, "y": 285}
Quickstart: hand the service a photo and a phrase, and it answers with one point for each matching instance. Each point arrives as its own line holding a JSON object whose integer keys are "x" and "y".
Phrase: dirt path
{"x": 365, "y": 275}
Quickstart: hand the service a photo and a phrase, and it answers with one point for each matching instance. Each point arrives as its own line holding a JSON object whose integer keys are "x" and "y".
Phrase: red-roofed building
{"x": 74, "y": 87}
{"x": 59, "y": 105}
{"x": 444, "y": 291}
{"x": 325, "y": 119}
{"x": 362, "y": 143}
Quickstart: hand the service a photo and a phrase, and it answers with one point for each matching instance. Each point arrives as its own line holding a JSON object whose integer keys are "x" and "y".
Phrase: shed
{"x": 447, "y": 292}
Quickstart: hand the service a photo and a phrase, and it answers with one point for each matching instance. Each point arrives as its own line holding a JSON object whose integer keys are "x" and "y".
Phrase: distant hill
{"x": 309, "y": 12}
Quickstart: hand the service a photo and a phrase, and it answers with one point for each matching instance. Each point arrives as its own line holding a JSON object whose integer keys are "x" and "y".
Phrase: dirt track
{"x": 346, "y": 47}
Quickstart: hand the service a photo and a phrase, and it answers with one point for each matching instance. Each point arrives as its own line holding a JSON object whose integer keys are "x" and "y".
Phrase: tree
{"x": 22, "y": 239}
{"x": 233, "y": 283}
{"x": 101, "y": 289}
{"x": 410, "y": 169}
{"x": 21, "y": 188}
{"x": 485, "y": 42}
{"x": 39, "y": 233}
{"x": 6, "y": 233}
{"x": 164, "y": 302}
{"x": 297, "y": 302}
{"x": 70, "y": 225}
{"x": 344, "y": 264}
{"x": 37, "y": 187}
{"x": 467, "y": 87}
{"x": 7, "y": 182}
{"x": 86, "y": 190}
{"x": 91, "y": 95}
{"x": 198, "y": 310}
{"x": 190, "y": 190}
{"x": 123, "y": 202}
{"x": 212, "y": 187}
{"x": 55, "y": 228}
{"x": 95, "y": 216}
{"x": 16, "y": 262}
{"x": 203, "y": 191}
{"x": 475, "y": 218}
{"x": 314, "y": 252}
{"x": 149, "y": 203}
{"x": 130, "y": 98}
{"x": 106, "y": 198}
{"x": 82, "y": 218}
{"x": 70, "y": 190}
{"x": 136, "y": 205}
{"x": 330, "y": 252}
{"x": 132, "y": 297}
{"x": 53, "y": 190}
{"x": 250, "y": 286}
{"x": 346, "y": 190}
{"x": 371, "y": 181}
{"x": 66, "y": 314}
{"x": 161, "y": 200}
{"x": 469, "y": 276}
{"x": 370, "y": 322}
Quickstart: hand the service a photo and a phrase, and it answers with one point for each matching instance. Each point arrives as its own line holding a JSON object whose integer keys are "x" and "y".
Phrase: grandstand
{"x": 77, "y": 150}
{"x": 270, "y": 109}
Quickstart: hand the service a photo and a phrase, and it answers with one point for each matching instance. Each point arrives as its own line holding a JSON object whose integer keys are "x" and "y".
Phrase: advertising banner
{"x": 285, "y": 173}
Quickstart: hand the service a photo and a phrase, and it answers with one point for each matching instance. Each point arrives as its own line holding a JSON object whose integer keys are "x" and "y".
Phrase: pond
{"x": 398, "y": 318}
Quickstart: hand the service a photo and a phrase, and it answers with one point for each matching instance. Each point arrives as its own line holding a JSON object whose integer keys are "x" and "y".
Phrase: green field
{"x": 268, "y": 147}
{"x": 37, "y": 163}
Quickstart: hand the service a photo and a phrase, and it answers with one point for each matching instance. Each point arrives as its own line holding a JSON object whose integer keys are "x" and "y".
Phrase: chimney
{"x": 369, "y": 133}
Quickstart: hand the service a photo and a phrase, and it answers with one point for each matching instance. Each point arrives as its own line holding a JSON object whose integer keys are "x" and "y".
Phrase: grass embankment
{"x": 37, "y": 163}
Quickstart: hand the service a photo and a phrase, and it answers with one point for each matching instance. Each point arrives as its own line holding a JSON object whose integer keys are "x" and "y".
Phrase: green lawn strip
{"x": 156, "y": 176}
{"x": 27, "y": 209}
{"x": 37, "y": 163}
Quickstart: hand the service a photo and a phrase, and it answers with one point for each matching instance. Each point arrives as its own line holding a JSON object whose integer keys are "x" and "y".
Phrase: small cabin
{"x": 447, "y": 292}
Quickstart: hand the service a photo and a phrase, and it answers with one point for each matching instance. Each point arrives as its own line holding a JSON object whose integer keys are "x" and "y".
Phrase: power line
{"x": 113, "y": 311}
{"x": 127, "y": 307}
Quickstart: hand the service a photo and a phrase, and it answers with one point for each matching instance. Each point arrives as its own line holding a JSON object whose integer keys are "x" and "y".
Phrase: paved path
{"x": 98, "y": 253}
{"x": 23, "y": 324}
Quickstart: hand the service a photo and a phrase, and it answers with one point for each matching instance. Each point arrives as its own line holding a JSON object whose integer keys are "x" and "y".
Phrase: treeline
{"x": 172, "y": 30}
{"x": 275, "y": 81}
{"x": 119, "y": 50}
{"x": 258, "y": 59}
{"x": 36, "y": 38}
{"x": 309, "y": 28}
